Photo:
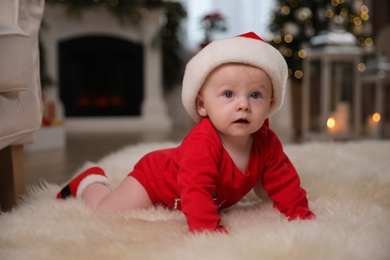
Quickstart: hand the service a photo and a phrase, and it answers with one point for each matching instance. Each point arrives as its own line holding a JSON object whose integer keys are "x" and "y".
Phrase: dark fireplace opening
{"x": 100, "y": 76}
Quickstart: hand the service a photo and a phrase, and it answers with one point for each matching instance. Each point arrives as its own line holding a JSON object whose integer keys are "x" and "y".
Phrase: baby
{"x": 230, "y": 89}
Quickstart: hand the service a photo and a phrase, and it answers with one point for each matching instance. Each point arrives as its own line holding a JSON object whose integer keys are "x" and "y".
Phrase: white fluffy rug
{"x": 348, "y": 187}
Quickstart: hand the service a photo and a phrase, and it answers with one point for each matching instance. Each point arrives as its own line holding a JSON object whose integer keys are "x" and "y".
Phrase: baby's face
{"x": 236, "y": 98}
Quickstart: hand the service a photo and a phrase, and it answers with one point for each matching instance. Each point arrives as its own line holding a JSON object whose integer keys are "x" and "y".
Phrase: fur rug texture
{"x": 348, "y": 187}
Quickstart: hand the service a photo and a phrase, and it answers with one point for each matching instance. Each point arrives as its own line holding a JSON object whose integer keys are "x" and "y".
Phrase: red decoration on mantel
{"x": 212, "y": 22}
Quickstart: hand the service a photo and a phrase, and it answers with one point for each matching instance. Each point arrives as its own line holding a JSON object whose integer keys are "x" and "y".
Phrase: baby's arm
{"x": 197, "y": 179}
{"x": 283, "y": 186}
{"x": 197, "y": 202}
{"x": 285, "y": 191}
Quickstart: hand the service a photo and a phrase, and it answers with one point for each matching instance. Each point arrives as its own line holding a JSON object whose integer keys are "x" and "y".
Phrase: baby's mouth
{"x": 241, "y": 121}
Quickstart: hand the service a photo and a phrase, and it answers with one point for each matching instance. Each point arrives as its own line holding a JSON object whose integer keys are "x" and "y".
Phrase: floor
{"x": 57, "y": 166}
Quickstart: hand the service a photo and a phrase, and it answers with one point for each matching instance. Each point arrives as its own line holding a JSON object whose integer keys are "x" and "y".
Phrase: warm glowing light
{"x": 376, "y": 117}
{"x": 288, "y": 38}
{"x": 277, "y": 39}
{"x": 344, "y": 12}
{"x": 357, "y": 21}
{"x": 302, "y": 54}
{"x": 331, "y": 123}
{"x": 298, "y": 74}
{"x": 285, "y": 10}
{"x": 372, "y": 125}
{"x": 288, "y": 52}
{"x": 361, "y": 67}
{"x": 364, "y": 9}
{"x": 364, "y": 16}
{"x": 369, "y": 41}
{"x": 329, "y": 14}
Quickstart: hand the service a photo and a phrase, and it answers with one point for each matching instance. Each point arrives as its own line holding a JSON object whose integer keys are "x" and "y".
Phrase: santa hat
{"x": 247, "y": 48}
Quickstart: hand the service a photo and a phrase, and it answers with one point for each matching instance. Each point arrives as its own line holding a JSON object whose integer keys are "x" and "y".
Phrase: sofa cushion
{"x": 16, "y": 68}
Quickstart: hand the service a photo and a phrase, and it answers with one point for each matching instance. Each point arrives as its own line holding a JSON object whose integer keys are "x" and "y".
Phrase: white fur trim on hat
{"x": 238, "y": 49}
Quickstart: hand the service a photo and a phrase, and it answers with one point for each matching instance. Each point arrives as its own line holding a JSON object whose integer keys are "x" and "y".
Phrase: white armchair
{"x": 20, "y": 91}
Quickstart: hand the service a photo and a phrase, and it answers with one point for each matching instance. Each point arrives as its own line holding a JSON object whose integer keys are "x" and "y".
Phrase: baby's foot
{"x": 76, "y": 187}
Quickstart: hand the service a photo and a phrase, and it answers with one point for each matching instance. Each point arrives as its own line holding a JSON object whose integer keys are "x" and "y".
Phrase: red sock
{"x": 78, "y": 184}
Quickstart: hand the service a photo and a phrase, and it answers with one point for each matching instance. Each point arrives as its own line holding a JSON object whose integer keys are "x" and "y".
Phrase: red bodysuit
{"x": 199, "y": 177}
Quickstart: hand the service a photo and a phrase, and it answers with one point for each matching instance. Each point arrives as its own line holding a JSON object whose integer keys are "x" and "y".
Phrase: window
{"x": 241, "y": 17}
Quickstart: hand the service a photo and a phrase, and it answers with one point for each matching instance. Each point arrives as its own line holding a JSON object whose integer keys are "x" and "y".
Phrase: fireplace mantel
{"x": 96, "y": 21}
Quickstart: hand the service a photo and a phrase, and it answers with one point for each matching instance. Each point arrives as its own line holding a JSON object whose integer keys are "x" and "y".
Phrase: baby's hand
{"x": 221, "y": 229}
{"x": 307, "y": 216}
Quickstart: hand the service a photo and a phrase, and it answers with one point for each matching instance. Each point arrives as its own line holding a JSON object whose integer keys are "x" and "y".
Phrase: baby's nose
{"x": 243, "y": 104}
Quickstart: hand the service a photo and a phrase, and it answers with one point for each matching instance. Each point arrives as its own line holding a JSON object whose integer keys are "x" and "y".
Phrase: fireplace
{"x": 106, "y": 74}
{"x": 100, "y": 76}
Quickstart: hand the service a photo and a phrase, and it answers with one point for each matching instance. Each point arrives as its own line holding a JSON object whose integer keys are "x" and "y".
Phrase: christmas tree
{"x": 295, "y": 22}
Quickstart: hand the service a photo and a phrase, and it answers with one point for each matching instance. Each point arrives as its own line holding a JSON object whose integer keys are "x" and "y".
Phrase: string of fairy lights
{"x": 294, "y": 22}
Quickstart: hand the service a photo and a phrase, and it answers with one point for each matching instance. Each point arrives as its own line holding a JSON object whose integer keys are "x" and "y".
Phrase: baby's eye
{"x": 228, "y": 94}
{"x": 256, "y": 95}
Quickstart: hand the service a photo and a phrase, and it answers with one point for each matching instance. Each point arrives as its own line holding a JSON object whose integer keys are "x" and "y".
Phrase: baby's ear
{"x": 200, "y": 106}
{"x": 271, "y": 102}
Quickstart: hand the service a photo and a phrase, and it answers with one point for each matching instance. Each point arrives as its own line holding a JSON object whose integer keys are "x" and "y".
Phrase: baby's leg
{"x": 130, "y": 194}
